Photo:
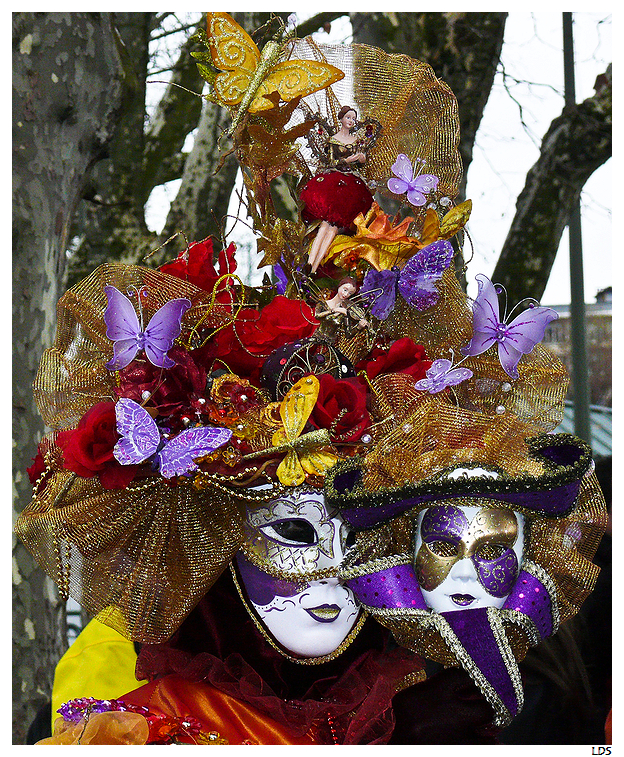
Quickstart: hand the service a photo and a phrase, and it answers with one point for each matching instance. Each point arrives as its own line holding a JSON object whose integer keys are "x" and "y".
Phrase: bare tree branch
{"x": 576, "y": 144}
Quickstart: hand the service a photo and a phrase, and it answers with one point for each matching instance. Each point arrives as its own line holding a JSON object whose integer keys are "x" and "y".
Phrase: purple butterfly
{"x": 514, "y": 339}
{"x": 416, "y": 282}
{"x": 124, "y": 329}
{"x": 141, "y": 439}
{"x": 440, "y": 376}
{"x": 416, "y": 187}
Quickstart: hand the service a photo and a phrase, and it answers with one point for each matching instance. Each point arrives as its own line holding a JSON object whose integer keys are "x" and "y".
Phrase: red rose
{"x": 344, "y": 399}
{"x": 195, "y": 266}
{"x": 173, "y": 391}
{"x": 257, "y": 335}
{"x": 404, "y": 356}
{"x": 88, "y": 449}
{"x": 37, "y": 468}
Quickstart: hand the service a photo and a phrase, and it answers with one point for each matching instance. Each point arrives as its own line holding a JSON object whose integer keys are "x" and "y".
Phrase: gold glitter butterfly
{"x": 246, "y": 75}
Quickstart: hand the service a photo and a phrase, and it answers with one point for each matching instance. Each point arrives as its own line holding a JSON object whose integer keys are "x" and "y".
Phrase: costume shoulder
{"x": 100, "y": 663}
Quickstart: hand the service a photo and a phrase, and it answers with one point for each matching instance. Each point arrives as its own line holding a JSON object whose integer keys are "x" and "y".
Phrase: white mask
{"x": 294, "y": 535}
{"x": 467, "y": 556}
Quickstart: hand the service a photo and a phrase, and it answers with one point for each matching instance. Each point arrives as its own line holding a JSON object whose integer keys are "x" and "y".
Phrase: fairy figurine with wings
{"x": 337, "y": 194}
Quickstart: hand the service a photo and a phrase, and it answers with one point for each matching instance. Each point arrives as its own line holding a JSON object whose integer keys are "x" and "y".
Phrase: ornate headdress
{"x": 178, "y": 397}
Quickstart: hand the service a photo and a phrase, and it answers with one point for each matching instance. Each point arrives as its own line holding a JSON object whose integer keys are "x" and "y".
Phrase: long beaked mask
{"x": 289, "y": 570}
{"x": 467, "y": 556}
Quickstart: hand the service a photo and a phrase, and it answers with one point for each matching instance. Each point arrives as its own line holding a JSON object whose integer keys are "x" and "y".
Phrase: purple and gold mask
{"x": 467, "y": 556}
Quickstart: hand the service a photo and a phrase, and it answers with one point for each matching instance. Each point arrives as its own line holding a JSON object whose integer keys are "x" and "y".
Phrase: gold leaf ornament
{"x": 247, "y": 75}
{"x": 455, "y": 219}
{"x": 378, "y": 240}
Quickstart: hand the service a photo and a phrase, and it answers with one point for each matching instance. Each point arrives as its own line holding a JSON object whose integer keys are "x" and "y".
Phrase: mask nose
{"x": 464, "y": 570}
{"x": 329, "y": 581}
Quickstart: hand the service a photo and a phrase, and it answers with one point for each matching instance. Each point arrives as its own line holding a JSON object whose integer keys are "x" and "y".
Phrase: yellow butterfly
{"x": 304, "y": 454}
{"x": 246, "y": 75}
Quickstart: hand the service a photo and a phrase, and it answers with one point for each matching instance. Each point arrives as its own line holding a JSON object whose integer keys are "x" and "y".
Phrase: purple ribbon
{"x": 552, "y": 502}
{"x": 530, "y": 597}
{"x": 392, "y": 588}
{"x": 472, "y": 628}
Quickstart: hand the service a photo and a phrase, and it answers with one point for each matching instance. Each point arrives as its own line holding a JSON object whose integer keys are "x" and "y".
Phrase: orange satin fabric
{"x": 232, "y": 719}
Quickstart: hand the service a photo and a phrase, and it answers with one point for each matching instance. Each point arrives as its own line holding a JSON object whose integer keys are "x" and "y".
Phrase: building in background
{"x": 598, "y": 319}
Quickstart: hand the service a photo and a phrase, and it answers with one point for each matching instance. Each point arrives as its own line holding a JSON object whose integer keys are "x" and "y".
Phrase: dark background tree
{"x": 90, "y": 149}
{"x": 68, "y": 76}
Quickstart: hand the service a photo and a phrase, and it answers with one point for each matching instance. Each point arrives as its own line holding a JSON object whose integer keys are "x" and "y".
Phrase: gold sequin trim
{"x": 287, "y": 575}
{"x": 374, "y": 566}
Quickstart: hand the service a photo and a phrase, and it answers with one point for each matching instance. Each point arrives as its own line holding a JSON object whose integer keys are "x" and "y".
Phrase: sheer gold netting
{"x": 566, "y": 547}
{"x": 536, "y": 397}
{"x": 486, "y": 418}
{"x": 417, "y": 111}
{"x": 72, "y": 374}
{"x": 142, "y": 556}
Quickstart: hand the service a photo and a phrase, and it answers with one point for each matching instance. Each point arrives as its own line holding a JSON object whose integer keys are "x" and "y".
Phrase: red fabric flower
{"x": 88, "y": 449}
{"x": 404, "y": 356}
{"x": 344, "y": 399}
{"x": 37, "y": 468}
{"x": 257, "y": 334}
{"x": 195, "y": 266}
{"x": 174, "y": 392}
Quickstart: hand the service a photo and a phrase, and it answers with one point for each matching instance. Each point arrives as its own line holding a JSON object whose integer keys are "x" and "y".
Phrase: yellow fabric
{"x": 100, "y": 664}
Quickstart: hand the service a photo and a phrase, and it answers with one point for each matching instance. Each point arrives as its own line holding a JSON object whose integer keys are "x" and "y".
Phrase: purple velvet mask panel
{"x": 449, "y": 524}
{"x": 443, "y": 521}
{"x": 261, "y": 588}
{"x": 390, "y": 588}
{"x": 529, "y": 596}
{"x": 472, "y": 628}
{"x": 497, "y": 576}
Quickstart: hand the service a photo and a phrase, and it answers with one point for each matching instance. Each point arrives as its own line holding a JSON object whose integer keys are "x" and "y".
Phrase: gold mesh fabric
{"x": 566, "y": 547}
{"x": 417, "y": 111}
{"x": 72, "y": 375}
{"x": 433, "y": 434}
{"x": 141, "y": 556}
{"x": 536, "y": 397}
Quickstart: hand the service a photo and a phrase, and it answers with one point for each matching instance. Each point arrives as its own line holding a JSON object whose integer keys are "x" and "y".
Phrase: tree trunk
{"x": 462, "y": 48}
{"x": 110, "y": 223}
{"x": 66, "y": 90}
{"x": 576, "y": 144}
{"x": 200, "y": 207}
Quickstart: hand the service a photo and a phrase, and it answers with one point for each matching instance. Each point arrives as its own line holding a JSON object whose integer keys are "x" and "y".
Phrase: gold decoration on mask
{"x": 489, "y": 528}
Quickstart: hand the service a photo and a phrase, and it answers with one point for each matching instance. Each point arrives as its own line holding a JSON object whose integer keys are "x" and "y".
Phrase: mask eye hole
{"x": 443, "y": 548}
{"x": 292, "y": 532}
{"x": 491, "y": 551}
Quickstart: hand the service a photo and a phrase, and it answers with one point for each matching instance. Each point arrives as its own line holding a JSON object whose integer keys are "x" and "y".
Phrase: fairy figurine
{"x": 337, "y": 194}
